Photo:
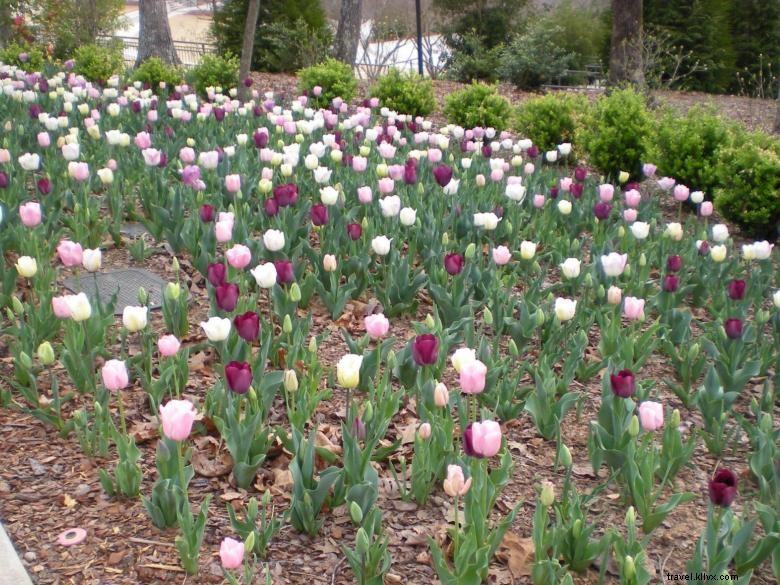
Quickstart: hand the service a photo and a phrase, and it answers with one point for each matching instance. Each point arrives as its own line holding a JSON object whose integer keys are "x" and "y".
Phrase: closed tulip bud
{"x": 630, "y": 516}
{"x": 45, "y": 353}
{"x": 287, "y": 324}
{"x": 621, "y": 231}
{"x": 471, "y": 250}
{"x": 391, "y": 359}
{"x": 172, "y": 291}
{"x": 693, "y": 351}
{"x": 143, "y": 297}
{"x": 487, "y": 316}
{"x": 766, "y": 422}
{"x": 313, "y": 344}
{"x": 588, "y": 280}
{"x": 249, "y": 542}
{"x": 565, "y": 456}
{"x": 547, "y": 496}
{"x": 362, "y": 543}
{"x": 539, "y": 317}
{"x": 633, "y": 426}
{"x": 629, "y": 569}
{"x": 175, "y": 264}
{"x": 576, "y": 528}
{"x": 424, "y": 431}
{"x": 355, "y": 513}
{"x": 513, "y": 351}
{"x": 627, "y": 270}
{"x": 290, "y": 381}
{"x": 642, "y": 259}
{"x": 25, "y": 360}
{"x": 295, "y": 292}
{"x": 445, "y": 239}
{"x": 368, "y": 412}
{"x": 675, "y": 418}
{"x": 429, "y": 322}
{"x": 17, "y": 305}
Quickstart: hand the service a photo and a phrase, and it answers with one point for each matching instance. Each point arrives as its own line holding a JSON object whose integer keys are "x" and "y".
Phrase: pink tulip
{"x": 177, "y": 417}
{"x": 143, "y": 140}
{"x": 233, "y": 183}
{"x": 151, "y": 115}
{"x": 472, "y": 377}
{"x": 441, "y": 396}
{"x": 114, "y": 374}
{"x": 434, "y": 155}
{"x": 60, "y": 307}
{"x": 681, "y": 193}
{"x": 633, "y": 198}
{"x": 651, "y": 415}
{"x": 648, "y": 169}
{"x": 630, "y": 215}
{"x": 538, "y": 201}
{"x": 267, "y": 173}
{"x": 456, "y": 484}
{"x": 376, "y": 326}
{"x": 705, "y": 210}
{"x": 666, "y": 183}
{"x": 480, "y": 180}
{"x": 70, "y": 253}
{"x": 566, "y": 184}
{"x": 496, "y": 175}
{"x": 501, "y": 255}
{"x": 364, "y": 194}
{"x": 223, "y": 231}
{"x": 634, "y": 308}
{"x": 239, "y": 256}
{"x": 78, "y": 170}
{"x": 168, "y": 345}
{"x": 396, "y": 172}
{"x": 5, "y": 156}
{"x": 386, "y": 185}
{"x": 231, "y": 553}
{"x": 482, "y": 439}
{"x": 111, "y": 164}
{"x": 44, "y": 140}
{"x": 30, "y": 213}
{"x": 187, "y": 155}
{"x": 151, "y": 156}
{"x": 529, "y": 168}
{"x": 359, "y": 164}
{"x": 606, "y": 192}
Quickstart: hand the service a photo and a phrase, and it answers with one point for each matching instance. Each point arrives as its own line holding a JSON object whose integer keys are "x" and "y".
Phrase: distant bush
{"x": 615, "y": 133}
{"x": 478, "y": 105}
{"x": 405, "y": 93}
{"x": 27, "y": 56}
{"x": 334, "y": 77}
{"x": 154, "y": 71}
{"x": 471, "y": 59}
{"x": 214, "y": 71}
{"x": 749, "y": 190}
{"x": 98, "y": 63}
{"x": 686, "y": 147}
{"x": 534, "y": 57}
{"x": 552, "y": 119}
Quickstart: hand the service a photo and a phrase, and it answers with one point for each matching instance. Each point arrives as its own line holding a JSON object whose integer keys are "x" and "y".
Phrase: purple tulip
{"x": 601, "y": 210}
{"x": 219, "y": 114}
{"x": 44, "y": 186}
{"x": 487, "y": 151}
{"x": 248, "y": 82}
{"x": 723, "y": 488}
{"x": 533, "y": 152}
{"x": 227, "y": 296}
{"x": 674, "y": 263}
{"x": 704, "y": 248}
{"x": 425, "y": 349}
{"x": 453, "y": 263}
{"x": 410, "y": 174}
{"x": 215, "y": 273}
{"x": 733, "y": 328}
{"x": 737, "y": 289}
{"x": 271, "y": 207}
{"x": 622, "y": 383}
{"x": 286, "y": 194}
{"x": 671, "y": 283}
{"x": 580, "y": 174}
{"x": 3, "y": 180}
{"x": 576, "y": 190}
{"x": 239, "y": 376}
{"x": 355, "y": 230}
{"x": 319, "y": 214}
{"x": 554, "y": 192}
{"x": 206, "y": 213}
{"x": 284, "y": 271}
{"x": 442, "y": 174}
{"x": 248, "y": 326}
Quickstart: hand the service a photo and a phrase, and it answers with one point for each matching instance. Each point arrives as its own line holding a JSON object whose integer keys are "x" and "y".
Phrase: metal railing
{"x": 189, "y": 52}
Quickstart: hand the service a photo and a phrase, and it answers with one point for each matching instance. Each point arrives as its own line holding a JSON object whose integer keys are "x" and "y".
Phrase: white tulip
{"x": 273, "y": 240}
{"x": 265, "y": 275}
{"x": 26, "y": 266}
{"x": 92, "y": 260}
{"x": 527, "y": 250}
{"x": 571, "y": 268}
{"x": 79, "y": 307}
{"x": 216, "y": 328}
{"x": 329, "y": 195}
{"x": 720, "y": 232}
{"x": 408, "y": 216}
{"x": 381, "y": 245}
{"x": 391, "y": 205}
{"x": 134, "y": 318}
{"x": 640, "y": 229}
{"x": 565, "y": 309}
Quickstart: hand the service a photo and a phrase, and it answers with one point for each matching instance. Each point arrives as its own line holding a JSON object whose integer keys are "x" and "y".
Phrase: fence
{"x": 189, "y": 52}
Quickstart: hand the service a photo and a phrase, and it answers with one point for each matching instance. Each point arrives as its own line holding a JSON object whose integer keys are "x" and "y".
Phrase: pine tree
{"x": 755, "y": 32}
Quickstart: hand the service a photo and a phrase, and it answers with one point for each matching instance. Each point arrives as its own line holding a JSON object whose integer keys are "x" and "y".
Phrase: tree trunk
{"x": 154, "y": 33}
{"x": 625, "y": 59}
{"x": 348, "y": 33}
{"x": 247, "y": 49}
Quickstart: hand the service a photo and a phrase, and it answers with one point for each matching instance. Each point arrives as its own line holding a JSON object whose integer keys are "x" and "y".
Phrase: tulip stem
{"x": 122, "y": 422}
{"x": 182, "y": 479}
{"x": 456, "y": 537}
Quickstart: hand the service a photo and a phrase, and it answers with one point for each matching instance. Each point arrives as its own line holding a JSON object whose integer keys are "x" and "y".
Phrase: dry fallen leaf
{"x": 212, "y": 466}
{"x": 68, "y": 502}
{"x": 518, "y": 553}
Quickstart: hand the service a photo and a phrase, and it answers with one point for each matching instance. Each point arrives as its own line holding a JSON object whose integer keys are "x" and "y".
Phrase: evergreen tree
{"x": 755, "y": 33}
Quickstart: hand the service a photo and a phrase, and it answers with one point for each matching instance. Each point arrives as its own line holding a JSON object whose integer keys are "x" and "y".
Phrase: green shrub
{"x": 478, "y": 105}
{"x": 686, "y": 147}
{"x": 214, "y": 71}
{"x": 585, "y": 31}
{"x": 405, "y": 93}
{"x": 291, "y": 34}
{"x": 615, "y": 134}
{"x": 98, "y": 63}
{"x": 534, "y": 57}
{"x": 154, "y": 71}
{"x": 27, "y": 56}
{"x": 471, "y": 59}
{"x": 552, "y": 119}
{"x": 334, "y": 77}
{"x": 749, "y": 191}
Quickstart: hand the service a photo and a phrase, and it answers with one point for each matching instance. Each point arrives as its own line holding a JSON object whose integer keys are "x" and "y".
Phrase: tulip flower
{"x": 565, "y": 309}
{"x": 453, "y": 263}
{"x": 602, "y": 210}
{"x": 114, "y": 374}
{"x": 570, "y": 268}
{"x": 247, "y": 326}
{"x": 614, "y": 264}
{"x": 239, "y": 256}
{"x": 733, "y": 328}
{"x": 216, "y": 274}
{"x": 472, "y": 377}
{"x": 501, "y": 255}
{"x": 273, "y": 240}
{"x": 442, "y": 174}
{"x": 720, "y": 233}
{"x": 348, "y": 370}
{"x": 634, "y": 308}
{"x": 651, "y": 415}
{"x": 482, "y": 439}
{"x": 441, "y": 396}
{"x": 30, "y": 214}
{"x": 223, "y": 230}
{"x": 227, "y": 295}
{"x": 622, "y": 383}
{"x": 461, "y": 357}
{"x": 206, "y": 213}
{"x": 168, "y": 345}
{"x": 69, "y": 252}
{"x": 456, "y": 484}
{"x": 674, "y": 263}
{"x": 239, "y": 376}
{"x": 319, "y": 214}
{"x": 737, "y": 289}
{"x": 425, "y": 349}
{"x": 177, "y": 417}
{"x": 354, "y": 230}
{"x": 376, "y": 326}
{"x": 26, "y": 266}
{"x": 231, "y": 553}
{"x": 265, "y": 275}
{"x": 723, "y": 488}
{"x": 671, "y": 283}
{"x": 614, "y": 295}
{"x": 381, "y": 245}
{"x": 134, "y": 318}
{"x": 216, "y": 328}
{"x": 284, "y": 271}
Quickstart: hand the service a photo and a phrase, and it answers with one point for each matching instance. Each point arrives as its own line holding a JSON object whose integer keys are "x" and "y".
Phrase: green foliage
{"x": 686, "y": 147}
{"x": 749, "y": 191}
{"x": 755, "y": 31}
{"x": 98, "y": 63}
{"x": 552, "y": 119}
{"x": 334, "y": 77}
{"x": 405, "y": 93}
{"x": 478, "y": 105}
{"x": 585, "y": 32}
{"x": 214, "y": 71}
{"x": 291, "y": 34}
{"x": 154, "y": 71}
{"x": 28, "y": 56}
{"x": 615, "y": 134}
{"x": 534, "y": 56}
{"x": 470, "y": 59}
{"x": 70, "y": 24}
